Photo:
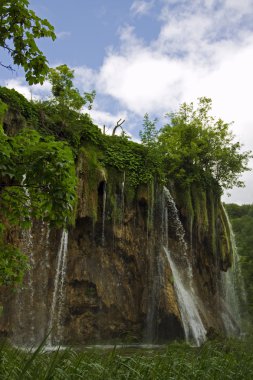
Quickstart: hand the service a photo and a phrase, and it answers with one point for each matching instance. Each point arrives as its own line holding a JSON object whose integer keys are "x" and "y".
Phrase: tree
{"x": 37, "y": 181}
{"x": 149, "y": 138}
{"x": 19, "y": 29}
{"x": 199, "y": 148}
{"x": 149, "y": 135}
{"x": 66, "y": 96}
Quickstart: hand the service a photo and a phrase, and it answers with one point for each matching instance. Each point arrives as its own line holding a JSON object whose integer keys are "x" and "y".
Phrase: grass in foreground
{"x": 229, "y": 359}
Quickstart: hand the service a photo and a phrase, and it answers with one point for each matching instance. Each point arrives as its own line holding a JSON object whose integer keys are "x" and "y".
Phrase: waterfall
{"x": 232, "y": 289}
{"x": 58, "y": 290}
{"x": 153, "y": 276}
{"x": 27, "y": 293}
{"x": 122, "y": 206}
{"x": 103, "y": 215}
{"x": 193, "y": 326}
{"x": 174, "y": 219}
{"x": 171, "y": 218}
{"x": 182, "y": 274}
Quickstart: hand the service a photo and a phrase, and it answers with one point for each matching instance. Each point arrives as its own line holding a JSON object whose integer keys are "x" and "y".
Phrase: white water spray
{"x": 27, "y": 239}
{"x": 103, "y": 215}
{"x": 232, "y": 288}
{"x": 58, "y": 291}
{"x": 193, "y": 326}
{"x": 182, "y": 274}
{"x": 123, "y": 201}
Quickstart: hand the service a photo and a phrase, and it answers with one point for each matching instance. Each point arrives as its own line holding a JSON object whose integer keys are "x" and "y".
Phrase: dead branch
{"x": 119, "y": 124}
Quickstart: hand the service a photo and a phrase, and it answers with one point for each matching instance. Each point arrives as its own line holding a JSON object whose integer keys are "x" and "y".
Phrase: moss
{"x": 182, "y": 195}
{"x": 3, "y": 109}
{"x": 201, "y": 219}
{"x": 226, "y": 246}
{"x": 151, "y": 202}
{"x": 200, "y": 207}
{"x": 116, "y": 195}
{"x": 91, "y": 173}
{"x": 212, "y": 217}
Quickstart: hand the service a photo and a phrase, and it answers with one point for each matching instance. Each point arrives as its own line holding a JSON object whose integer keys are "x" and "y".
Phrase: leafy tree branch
{"x": 19, "y": 29}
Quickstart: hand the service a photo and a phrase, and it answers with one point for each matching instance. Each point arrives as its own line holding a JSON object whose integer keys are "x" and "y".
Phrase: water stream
{"x": 103, "y": 215}
{"x": 232, "y": 289}
{"x": 181, "y": 268}
{"x": 28, "y": 291}
{"x": 55, "y": 318}
{"x": 193, "y": 327}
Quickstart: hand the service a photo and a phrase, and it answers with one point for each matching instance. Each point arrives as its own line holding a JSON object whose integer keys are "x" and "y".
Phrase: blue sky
{"x": 150, "y": 56}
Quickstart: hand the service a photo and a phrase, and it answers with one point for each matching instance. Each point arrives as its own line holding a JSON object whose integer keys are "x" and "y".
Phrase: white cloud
{"x": 35, "y": 92}
{"x": 243, "y": 195}
{"x": 141, "y": 7}
{"x": 241, "y": 7}
{"x": 62, "y": 35}
{"x": 203, "y": 49}
{"x": 85, "y": 77}
{"x": 107, "y": 119}
{"x": 17, "y": 85}
{"x": 142, "y": 82}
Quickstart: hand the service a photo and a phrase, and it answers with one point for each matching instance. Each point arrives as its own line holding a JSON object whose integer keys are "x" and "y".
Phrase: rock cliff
{"x": 108, "y": 278}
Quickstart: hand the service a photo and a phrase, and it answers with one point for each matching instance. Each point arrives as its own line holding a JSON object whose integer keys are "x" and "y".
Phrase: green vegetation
{"x": 13, "y": 264}
{"x": 65, "y": 95}
{"x": 20, "y": 27}
{"x": 229, "y": 359}
{"x": 130, "y": 157}
{"x": 39, "y": 146}
{"x": 242, "y": 221}
{"x": 37, "y": 180}
{"x": 149, "y": 138}
{"x": 19, "y": 104}
{"x": 42, "y": 141}
{"x": 200, "y": 149}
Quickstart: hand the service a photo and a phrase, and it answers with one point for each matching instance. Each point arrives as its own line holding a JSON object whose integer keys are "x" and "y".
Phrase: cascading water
{"x": 27, "y": 292}
{"x": 55, "y": 318}
{"x": 140, "y": 268}
{"x": 232, "y": 289}
{"x": 103, "y": 214}
{"x": 182, "y": 274}
{"x": 153, "y": 278}
{"x": 193, "y": 326}
{"x": 122, "y": 201}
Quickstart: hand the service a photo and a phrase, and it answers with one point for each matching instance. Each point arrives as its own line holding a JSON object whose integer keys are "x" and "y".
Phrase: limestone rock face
{"x": 108, "y": 279}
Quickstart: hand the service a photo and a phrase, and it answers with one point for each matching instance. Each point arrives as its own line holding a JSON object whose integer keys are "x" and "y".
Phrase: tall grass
{"x": 230, "y": 359}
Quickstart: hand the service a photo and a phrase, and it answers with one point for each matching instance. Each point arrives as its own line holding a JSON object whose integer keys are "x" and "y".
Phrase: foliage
{"x": 3, "y": 109}
{"x": 75, "y": 129}
{"x": 13, "y": 264}
{"x": 17, "y": 102}
{"x": 200, "y": 149}
{"x": 242, "y": 221}
{"x": 149, "y": 134}
{"x": 20, "y": 27}
{"x": 38, "y": 178}
{"x": 65, "y": 95}
{"x": 149, "y": 138}
{"x": 128, "y": 156}
{"x": 226, "y": 359}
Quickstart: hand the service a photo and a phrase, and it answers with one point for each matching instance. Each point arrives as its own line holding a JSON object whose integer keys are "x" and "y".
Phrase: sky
{"x": 149, "y": 56}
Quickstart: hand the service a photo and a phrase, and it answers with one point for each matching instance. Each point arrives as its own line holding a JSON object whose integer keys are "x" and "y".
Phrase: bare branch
{"x": 9, "y": 67}
{"x": 119, "y": 124}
